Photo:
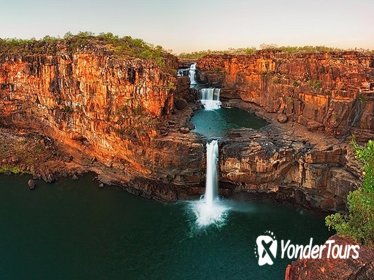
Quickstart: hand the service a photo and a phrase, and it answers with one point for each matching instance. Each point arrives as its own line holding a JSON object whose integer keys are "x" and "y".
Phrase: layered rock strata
{"x": 284, "y": 165}
{"x": 111, "y": 109}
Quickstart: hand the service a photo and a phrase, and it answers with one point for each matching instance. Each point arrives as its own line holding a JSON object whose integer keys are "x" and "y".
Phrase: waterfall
{"x": 183, "y": 72}
{"x": 209, "y": 209}
{"x": 210, "y": 98}
{"x": 192, "y": 74}
{"x": 211, "y": 183}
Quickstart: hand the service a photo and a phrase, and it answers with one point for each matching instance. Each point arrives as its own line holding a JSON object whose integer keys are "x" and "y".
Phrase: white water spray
{"x": 210, "y": 98}
{"x": 192, "y": 73}
{"x": 209, "y": 210}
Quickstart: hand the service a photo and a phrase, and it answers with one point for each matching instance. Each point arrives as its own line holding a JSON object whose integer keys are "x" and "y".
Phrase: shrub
{"x": 10, "y": 169}
{"x": 315, "y": 84}
{"x": 200, "y": 54}
{"x": 68, "y": 109}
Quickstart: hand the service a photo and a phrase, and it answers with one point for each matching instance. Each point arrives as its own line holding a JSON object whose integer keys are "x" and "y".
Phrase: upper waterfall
{"x": 192, "y": 74}
{"x": 183, "y": 72}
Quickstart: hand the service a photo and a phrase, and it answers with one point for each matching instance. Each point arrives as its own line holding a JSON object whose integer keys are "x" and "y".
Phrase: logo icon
{"x": 266, "y": 248}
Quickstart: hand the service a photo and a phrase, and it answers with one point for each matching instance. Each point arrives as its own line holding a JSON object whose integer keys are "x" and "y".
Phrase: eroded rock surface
{"x": 289, "y": 167}
{"x": 113, "y": 109}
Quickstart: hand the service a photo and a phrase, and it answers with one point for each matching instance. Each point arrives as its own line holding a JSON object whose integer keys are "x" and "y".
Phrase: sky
{"x": 192, "y": 25}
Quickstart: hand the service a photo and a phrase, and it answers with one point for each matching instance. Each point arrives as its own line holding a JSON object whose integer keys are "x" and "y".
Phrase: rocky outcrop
{"x": 332, "y": 92}
{"x": 108, "y": 107}
{"x": 288, "y": 166}
{"x": 328, "y": 268}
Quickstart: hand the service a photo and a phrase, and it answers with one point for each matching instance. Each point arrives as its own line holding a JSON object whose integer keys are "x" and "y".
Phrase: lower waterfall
{"x": 209, "y": 209}
{"x": 211, "y": 184}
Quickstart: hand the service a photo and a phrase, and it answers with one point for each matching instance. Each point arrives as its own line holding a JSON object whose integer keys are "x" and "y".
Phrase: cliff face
{"x": 333, "y": 92}
{"x": 119, "y": 112}
{"x": 108, "y": 107}
{"x": 285, "y": 166}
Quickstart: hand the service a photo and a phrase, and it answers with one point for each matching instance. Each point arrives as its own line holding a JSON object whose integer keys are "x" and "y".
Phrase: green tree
{"x": 68, "y": 35}
{"x": 358, "y": 222}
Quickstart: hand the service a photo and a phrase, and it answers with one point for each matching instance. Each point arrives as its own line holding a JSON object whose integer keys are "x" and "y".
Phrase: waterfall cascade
{"x": 210, "y": 98}
{"x": 210, "y": 210}
{"x": 183, "y": 72}
{"x": 192, "y": 73}
{"x": 211, "y": 183}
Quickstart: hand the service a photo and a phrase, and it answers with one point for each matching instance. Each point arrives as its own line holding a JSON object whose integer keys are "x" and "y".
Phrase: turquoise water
{"x": 75, "y": 230}
{"x": 216, "y": 123}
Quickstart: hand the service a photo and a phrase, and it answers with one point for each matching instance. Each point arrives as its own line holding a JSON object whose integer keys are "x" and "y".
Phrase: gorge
{"x": 283, "y": 123}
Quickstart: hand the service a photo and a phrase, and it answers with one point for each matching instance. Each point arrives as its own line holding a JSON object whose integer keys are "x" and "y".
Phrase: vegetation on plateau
{"x": 358, "y": 222}
{"x": 10, "y": 169}
{"x": 200, "y": 54}
{"x": 253, "y": 50}
{"x": 125, "y": 46}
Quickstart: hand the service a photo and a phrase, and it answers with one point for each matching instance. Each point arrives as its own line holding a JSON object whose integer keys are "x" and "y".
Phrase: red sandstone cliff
{"x": 107, "y": 106}
{"x": 333, "y": 91}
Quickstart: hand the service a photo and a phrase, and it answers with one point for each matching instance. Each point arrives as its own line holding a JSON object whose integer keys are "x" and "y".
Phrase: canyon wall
{"x": 332, "y": 91}
{"x": 109, "y": 108}
{"x": 130, "y": 115}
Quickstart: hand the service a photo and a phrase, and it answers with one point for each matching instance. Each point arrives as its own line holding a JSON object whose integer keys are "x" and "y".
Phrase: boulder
{"x": 47, "y": 176}
{"x": 184, "y": 130}
{"x": 181, "y": 104}
{"x": 282, "y": 118}
{"x": 14, "y": 159}
{"x": 31, "y": 184}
